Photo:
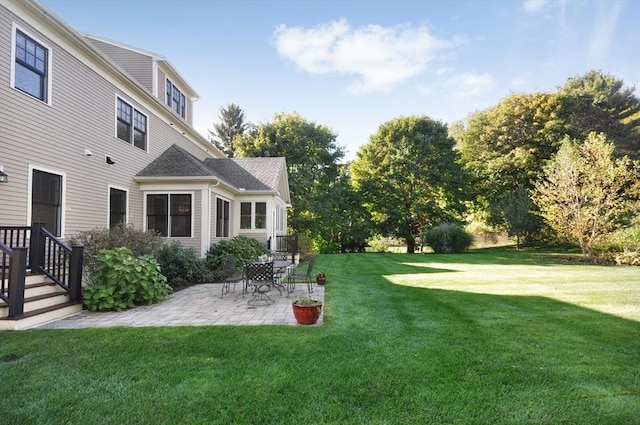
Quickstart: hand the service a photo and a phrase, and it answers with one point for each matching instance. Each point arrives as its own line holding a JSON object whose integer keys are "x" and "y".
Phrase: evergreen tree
{"x": 232, "y": 124}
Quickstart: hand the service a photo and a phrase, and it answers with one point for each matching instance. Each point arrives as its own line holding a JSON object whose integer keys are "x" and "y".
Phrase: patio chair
{"x": 260, "y": 278}
{"x": 302, "y": 277}
{"x": 280, "y": 256}
{"x": 230, "y": 275}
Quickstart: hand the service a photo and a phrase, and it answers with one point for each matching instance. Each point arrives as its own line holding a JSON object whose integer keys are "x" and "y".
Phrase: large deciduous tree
{"x": 597, "y": 102}
{"x": 342, "y": 223}
{"x": 505, "y": 146}
{"x": 312, "y": 156}
{"x": 409, "y": 177}
{"x": 232, "y": 124}
{"x": 586, "y": 193}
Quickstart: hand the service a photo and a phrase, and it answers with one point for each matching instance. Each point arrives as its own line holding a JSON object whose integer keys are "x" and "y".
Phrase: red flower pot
{"x": 321, "y": 280}
{"x": 307, "y": 314}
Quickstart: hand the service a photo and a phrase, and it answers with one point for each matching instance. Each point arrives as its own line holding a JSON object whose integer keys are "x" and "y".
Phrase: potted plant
{"x": 321, "y": 278}
{"x": 306, "y": 310}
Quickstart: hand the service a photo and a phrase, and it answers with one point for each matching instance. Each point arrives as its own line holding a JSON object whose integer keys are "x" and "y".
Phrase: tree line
{"x": 562, "y": 166}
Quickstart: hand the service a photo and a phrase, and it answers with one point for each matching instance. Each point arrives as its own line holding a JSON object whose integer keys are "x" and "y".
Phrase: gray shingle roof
{"x": 175, "y": 162}
{"x": 246, "y": 173}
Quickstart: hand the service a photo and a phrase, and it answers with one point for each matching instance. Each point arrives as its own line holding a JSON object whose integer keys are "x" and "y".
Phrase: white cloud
{"x": 470, "y": 84}
{"x": 534, "y": 6}
{"x": 380, "y": 57}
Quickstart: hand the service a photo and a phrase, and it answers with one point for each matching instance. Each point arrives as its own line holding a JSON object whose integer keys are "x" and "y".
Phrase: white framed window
{"x": 118, "y": 206}
{"x": 176, "y": 99}
{"x": 30, "y": 65}
{"x": 222, "y": 218}
{"x": 131, "y": 124}
{"x": 281, "y": 214}
{"x": 253, "y": 215}
{"x": 170, "y": 214}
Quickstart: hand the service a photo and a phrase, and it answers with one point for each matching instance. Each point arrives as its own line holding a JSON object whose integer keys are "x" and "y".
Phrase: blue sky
{"x": 354, "y": 64}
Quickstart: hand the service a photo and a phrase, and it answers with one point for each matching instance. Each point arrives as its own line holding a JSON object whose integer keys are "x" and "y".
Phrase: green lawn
{"x": 488, "y": 337}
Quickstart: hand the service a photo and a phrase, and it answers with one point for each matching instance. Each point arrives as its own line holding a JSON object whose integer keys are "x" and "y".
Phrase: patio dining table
{"x": 280, "y": 268}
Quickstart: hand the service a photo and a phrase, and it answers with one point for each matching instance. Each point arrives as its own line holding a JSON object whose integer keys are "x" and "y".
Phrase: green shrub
{"x": 485, "y": 235}
{"x": 379, "y": 243}
{"x": 305, "y": 247}
{"x": 448, "y": 238}
{"x": 97, "y": 239}
{"x": 244, "y": 249}
{"x": 323, "y": 246}
{"x": 120, "y": 281}
{"x": 628, "y": 258}
{"x": 624, "y": 239}
{"x": 181, "y": 265}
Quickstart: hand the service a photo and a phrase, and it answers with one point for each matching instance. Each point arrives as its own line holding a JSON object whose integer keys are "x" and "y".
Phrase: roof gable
{"x": 108, "y": 48}
{"x": 175, "y": 162}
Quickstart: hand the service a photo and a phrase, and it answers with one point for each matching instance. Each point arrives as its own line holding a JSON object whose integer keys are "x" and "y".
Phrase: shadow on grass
{"x": 503, "y": 256}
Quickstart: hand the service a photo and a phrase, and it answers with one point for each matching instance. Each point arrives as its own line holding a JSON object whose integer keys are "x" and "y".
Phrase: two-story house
{"x": 94, "y": 133}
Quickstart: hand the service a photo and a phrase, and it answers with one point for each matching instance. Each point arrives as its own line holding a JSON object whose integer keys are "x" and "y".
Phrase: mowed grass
{"x": 488, "y": 337}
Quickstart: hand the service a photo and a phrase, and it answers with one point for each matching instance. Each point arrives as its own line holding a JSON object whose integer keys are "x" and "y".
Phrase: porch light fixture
{"x": 4, "y": 177}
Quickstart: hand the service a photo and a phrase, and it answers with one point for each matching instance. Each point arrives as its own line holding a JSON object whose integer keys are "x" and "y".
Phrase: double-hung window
{"x": 170, "y": 214}
{"x": 176, "y": 99}
{"x": 131, "y": 125}
{"x": 253, "y": 215}
{"x": 31, "y": 66}
{"x": 245, "y": 215}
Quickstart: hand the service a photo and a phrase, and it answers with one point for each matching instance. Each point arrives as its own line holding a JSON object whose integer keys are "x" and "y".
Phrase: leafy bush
{"x": 448, "y": 238}
{"x": 241, "y": 247}
{"x": 624, "y": 239}
{"x": 95, "y": 240}
{"x": 323, "y": 246}
{"x": 486, "y": 235}
{"x": 181, "y": 265}
{"x": 305, "y": 247}
{"x": 120, "y": 281}
{"x": 629, "y": 258}
{"x": 379, "y": 243}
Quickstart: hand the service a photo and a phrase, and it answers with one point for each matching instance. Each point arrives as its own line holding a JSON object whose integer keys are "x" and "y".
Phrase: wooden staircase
{"x": 44, "y": 301}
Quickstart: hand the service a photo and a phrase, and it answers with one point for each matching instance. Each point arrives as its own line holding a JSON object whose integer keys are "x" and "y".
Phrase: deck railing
{"x": 284, "y": 243}
{"x": 38, "y": 250}
{"x": 12, "y": 278}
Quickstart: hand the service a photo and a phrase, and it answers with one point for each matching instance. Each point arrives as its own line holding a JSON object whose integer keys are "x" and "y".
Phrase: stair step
{"x": 37, "y": 302}
{"x": 41, "y": 316}
{"x": 41, "y": 288}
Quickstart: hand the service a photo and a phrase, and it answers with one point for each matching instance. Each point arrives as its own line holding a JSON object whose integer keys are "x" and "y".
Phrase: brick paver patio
{"x": 197, "y": 305}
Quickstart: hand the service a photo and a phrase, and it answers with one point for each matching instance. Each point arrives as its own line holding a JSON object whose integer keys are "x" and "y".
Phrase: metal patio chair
{"x": 302, "y": 277}
{"x": 259, "y": 279}
{"x": 230, "y": 274}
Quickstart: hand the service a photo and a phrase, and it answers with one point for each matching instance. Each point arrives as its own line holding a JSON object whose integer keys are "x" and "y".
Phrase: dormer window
{"x": 175, "y": 99}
